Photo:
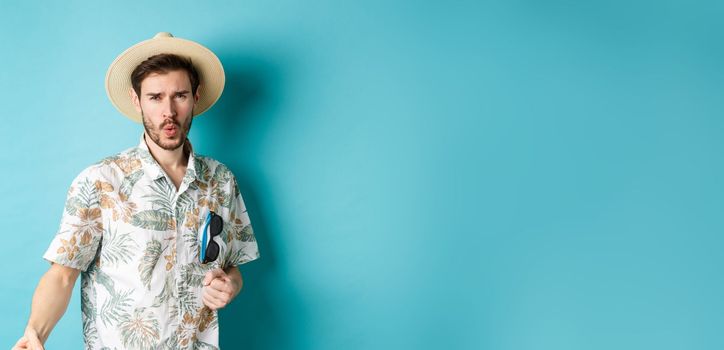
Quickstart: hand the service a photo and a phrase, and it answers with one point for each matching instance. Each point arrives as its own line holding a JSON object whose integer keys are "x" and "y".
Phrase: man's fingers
{"x": 218, "y": 294}
{"x": 21, "y": 344}
{"x": 222, "y": 285}
{"x": 211, "y": 274}
{"x": 218, "y": 289}
{"x": 211, "y": 302}
{"x": 24, "y": 344}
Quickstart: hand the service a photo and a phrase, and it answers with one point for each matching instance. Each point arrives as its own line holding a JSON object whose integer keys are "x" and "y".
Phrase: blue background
{"x": 420, "y": 174}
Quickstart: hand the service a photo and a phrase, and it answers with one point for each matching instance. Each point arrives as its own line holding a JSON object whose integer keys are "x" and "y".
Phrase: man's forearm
{"x": 51, "y": 298}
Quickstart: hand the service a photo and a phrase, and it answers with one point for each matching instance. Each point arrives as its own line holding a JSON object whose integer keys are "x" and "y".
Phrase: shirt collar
{"x": 154, "y": 170}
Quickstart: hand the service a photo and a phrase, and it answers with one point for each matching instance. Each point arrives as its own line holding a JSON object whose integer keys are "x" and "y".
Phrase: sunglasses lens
{"x": 212, "y": 252}
{"x": 216, "y": 225}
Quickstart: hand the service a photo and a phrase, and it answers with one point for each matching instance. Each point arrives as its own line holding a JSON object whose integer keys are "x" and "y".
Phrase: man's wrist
{"x": 33, "y": 332}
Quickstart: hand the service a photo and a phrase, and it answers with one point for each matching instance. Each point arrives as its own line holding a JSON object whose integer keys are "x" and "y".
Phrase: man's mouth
{"x": 170, "y": 130}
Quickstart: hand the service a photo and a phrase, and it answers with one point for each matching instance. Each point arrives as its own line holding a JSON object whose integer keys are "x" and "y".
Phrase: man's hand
{"x": 29, "y": 341}
{"x": 221, "y": 287}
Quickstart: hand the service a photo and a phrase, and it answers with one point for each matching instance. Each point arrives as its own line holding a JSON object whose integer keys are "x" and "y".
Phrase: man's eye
{"x": 154, "y": 98}
{"x": 181, "y": 96}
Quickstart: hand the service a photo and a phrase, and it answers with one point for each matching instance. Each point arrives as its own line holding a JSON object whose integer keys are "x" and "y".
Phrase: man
{"x": 156, "y": 232}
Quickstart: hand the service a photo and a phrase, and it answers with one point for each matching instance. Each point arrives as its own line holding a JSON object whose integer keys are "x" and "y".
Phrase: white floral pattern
{"x": 135, "y": 237}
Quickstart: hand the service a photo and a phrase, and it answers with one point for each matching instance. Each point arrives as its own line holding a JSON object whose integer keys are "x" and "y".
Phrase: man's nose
{"x": 169, "y": 110}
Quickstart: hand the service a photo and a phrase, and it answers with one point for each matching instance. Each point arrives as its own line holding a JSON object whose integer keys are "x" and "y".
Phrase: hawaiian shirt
{"x": 136, "y": 239}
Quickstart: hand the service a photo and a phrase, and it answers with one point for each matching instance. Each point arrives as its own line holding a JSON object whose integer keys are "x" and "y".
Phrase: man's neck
{"x": 170, "y": 161}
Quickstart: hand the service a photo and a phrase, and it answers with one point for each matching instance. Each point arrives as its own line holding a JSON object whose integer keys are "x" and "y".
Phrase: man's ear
{"x": 198, "y": 94}
{"x": 134, "y": 98}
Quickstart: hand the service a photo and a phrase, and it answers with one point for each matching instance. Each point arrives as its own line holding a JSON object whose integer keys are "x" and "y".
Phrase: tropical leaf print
{"x": 240, "y": 229}
{"x": 223, "y": 198}
{"x": 122, "y": 208}
{"x": 170, "y": 258}
{"x": 150, "y": 257}
{"x": 162, "y": 195}
{"x": 212, "y": 193}
{"x": 143, "y": 155}
{"x": 214, "y": 197}
{"x": 184, "y": 203}
{"x": 104, "y": 280}
{"x": 153, "y": 220}
{"x": 167, "y": 293}
{"x": 190, "y": 236}
{"x": 72, "y": 205}
{"x": 193, "y": 219}
{"x": 237, "y": 257}
{"x": 206, "y": 319}
{"x": 200, "y": 345}
{"x": 69, "y": 248}
{"x": 139, "y": 330}
{"x": 195, "y": 321}
{"x": 170, "y": 343}
{"x": 186, "y": 330}
{"x": 107, "y": 160}
{"x": 193, "y": 274}
{"x": 103, "y": 186}
{"x": 127, "y": 185}
{"x": 202, "y": 169}
{"x": 191, "y": 277}
{"x": 86, "y": 197}
{"x": 205, "y": 198}
{"x": 87, "y": 194}
{"x": 90, "y": 332}
{"x": 118, "y": 249}
{"x": 128, "y": 164}
{"x": 188, "y": 177}
{"x": 114, "y": 308}
{"x": 222, "y": 174}
{"x": 167, "y": 297}
{"x": 88, "y": 306}
{"x": 246, "y": 234}
{"x": 89, "y": 225}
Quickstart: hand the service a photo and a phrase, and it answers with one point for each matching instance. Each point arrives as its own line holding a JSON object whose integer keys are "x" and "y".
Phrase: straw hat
{"x": 118, "y": 77}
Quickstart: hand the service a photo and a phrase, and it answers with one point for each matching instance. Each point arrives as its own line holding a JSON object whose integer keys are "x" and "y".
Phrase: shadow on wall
{"x": 259, "y": 318}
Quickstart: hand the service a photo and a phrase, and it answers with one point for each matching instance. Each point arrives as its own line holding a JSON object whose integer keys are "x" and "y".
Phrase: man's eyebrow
{"x": 182, "y": 92}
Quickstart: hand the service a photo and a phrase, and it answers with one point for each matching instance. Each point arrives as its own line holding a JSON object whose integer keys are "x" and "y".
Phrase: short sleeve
{"x": 241, "y": 242}
{"x": 81, "y": 227}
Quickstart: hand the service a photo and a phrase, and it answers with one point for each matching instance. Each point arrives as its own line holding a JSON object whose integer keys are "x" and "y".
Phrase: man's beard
{"x": 155, "y": 134}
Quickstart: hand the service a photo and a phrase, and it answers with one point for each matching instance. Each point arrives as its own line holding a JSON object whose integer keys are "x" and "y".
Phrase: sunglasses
{"x": 212, "y": 228}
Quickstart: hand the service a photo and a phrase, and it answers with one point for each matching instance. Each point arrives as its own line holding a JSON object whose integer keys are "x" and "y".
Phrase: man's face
{"x": 167, "y": 106}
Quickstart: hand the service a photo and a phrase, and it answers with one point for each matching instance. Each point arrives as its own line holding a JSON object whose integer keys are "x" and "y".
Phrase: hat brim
{"x": 118, "y": 77}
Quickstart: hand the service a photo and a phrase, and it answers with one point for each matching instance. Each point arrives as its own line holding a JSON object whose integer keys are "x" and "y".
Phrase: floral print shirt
{"x": 136, "y": 239}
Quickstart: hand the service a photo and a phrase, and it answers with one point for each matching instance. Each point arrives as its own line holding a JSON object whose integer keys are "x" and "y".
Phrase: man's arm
{"x": 49, "y": 303}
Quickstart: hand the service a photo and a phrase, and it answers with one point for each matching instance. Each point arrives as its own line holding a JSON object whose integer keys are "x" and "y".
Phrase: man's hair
{"x": 162, "y": 64}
